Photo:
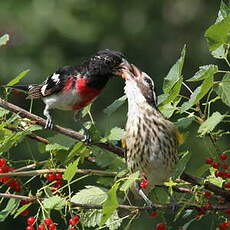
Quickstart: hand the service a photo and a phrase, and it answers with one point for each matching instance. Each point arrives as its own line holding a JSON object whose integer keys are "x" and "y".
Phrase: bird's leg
{"x": 149, "y": 203}
{"x": 87, "y": 138}
{"x": 173, "y": 200}
{"x": 49, "y": 123}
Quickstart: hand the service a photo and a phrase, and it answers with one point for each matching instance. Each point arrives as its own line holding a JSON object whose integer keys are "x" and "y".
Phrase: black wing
{"x": 53, "y": 84}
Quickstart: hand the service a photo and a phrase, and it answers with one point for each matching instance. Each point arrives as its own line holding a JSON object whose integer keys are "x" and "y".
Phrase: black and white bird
{"x": 74, "y": 87}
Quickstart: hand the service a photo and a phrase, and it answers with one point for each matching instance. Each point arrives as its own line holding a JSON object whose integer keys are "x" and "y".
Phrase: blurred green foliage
{"x": 45, "y": 35}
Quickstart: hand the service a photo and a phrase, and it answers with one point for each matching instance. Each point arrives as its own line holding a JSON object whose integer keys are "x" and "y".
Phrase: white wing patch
{"x": 43, "y": 89}
{"x": 56, "y": 78}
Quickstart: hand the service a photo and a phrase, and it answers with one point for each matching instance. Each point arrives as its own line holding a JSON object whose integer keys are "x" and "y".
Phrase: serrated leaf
{"x": 18, "y": 78}
{"x": 114, "y": 221}
{"x": 210, "y": 123}
{"x": 219, "y": 53}
{"x": 71, "y": 170}
{"x": 204, "y": 72}
{"x": 223, "y": 12}
{"x": 115, "y": 105}
{"x": 10, "y": 209}
{"x": 4, "y": 39}
{"x": 175, "y": 73}
{"x": 198, "y": 94}
{"x": 116, "y": 133}
{"x": 218, "y": 181}
{"x": 54, "y": 202}
{"x": 181, "y": 164}
{"x": 129, "y": 181}
{"x": 218, "y": 34}
{"x": 55, "y": 146}
{"x": 90, "y": 195}
{"x": 110, "y": 205}
{"x": 223, "y": 89}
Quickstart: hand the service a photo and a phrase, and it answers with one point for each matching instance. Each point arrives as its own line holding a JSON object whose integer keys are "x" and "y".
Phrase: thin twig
{"x": 128, "y": 207}
{"x": 57, "y": 170}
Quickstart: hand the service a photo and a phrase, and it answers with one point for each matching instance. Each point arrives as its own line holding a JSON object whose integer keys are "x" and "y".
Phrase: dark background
{"x": 45, "y": 35}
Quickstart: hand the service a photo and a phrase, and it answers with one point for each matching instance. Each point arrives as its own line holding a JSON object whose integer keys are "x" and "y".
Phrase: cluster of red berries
{"x": 222, "y": 166}
{"x": 224, "y": 225}
{"x": 10, "y": 181}
{"x": 73, "y": 221}
{"x": 57, "y": 177}
{"x": 144, "y": 182}
{"x": 48, "y": 224}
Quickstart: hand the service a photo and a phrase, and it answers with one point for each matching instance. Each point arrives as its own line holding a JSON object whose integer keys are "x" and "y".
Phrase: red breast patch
{"x": 86, "y": 93}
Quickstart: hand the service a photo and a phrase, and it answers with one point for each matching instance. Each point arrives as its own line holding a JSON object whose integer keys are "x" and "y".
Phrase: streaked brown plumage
{"x": 151, "y": 140}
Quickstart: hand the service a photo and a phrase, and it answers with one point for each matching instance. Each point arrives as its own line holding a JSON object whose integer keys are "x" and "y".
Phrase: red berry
{"x": 216, "y": 165}
{"x": 31, "y": 220}
{"x": 223, "y": 156}
{"x": 72, "y": 222}
{"x": 41, "y": 227}
{"x": 52, "y": 226}
{"x": 144, "y": 183}
{"x": 2, "y": 162}
{"x": 221, "y": 200}
{"x": 153, "y": 214}
{"x": 227, "y": 185}
{"x": 207, "y": 206}
{"x": 58, "y": 176}
{"x": 223, "y": 226}
{"x": 29, "y": 228}
{"x": 22, "y": 202}
{"x": 224, "y": 165}
{"x": 76, "y": 218}
{"x": 25, "y": 212}
{"x": 161, "y": 226}
{"x": 51, "y": 176}
{"x": 4, "y": 179}
{"x": 48, "y": 221}
{"x": 209, "y": 160}
{"x": 71, "y": 228}
{"x": 208, "y": 194}
{"x": 227, "y": 212}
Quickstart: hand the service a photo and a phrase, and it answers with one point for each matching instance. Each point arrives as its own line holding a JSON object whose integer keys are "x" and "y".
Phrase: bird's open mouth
{"x": 127, "y": 71}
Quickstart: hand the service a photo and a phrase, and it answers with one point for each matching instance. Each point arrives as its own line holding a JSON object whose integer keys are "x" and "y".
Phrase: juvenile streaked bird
{"x": 151, "y": 140}
{"x": 74, "y": 87}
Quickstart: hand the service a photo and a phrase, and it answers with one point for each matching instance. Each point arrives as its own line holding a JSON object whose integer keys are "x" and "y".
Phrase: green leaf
{"x": 174, "y": 74}
{"x": 90, "y": 195}
{"x": 115, "y": 134}
{"x": 223, "y": 12}
{"x": 110, "y": 205}
{"x": 115, "y": 105}
{"x": 129, "y": 181}
{"x": 205, "y": 72}
{"x": 218, "y": 34}
{"x": 219, "y": 53}
{"x": 201, "y": 170}
{"x": 10, "y": 209}
{"x": 198, "y": 94}
{"x": 181, "y": 164}
{"x": 18, "y": 78}
{"x": 86, "y": 110}
{"x": 3, "y": 112}
{"x": 218, "y": 181}
{"x": 54, "y": 202}
{"x": 21, "y": 209}
{"x": 210, "y": 123}
{"x": 71, "y": 170}
{"x": 55, "y": 146}
{"x": 184, "y": 122}
{"x": 223, "y": 89}
{"x": 4, "y": 39}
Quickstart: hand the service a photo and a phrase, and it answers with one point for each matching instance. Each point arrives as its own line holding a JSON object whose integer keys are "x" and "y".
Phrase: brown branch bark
{"x": 57, "y": 170}
{"x": 218, "y": 207}
{"x": 75, "y": 135}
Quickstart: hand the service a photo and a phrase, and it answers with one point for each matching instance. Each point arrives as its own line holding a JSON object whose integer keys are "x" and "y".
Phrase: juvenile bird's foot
{"x": 49, "y": 124}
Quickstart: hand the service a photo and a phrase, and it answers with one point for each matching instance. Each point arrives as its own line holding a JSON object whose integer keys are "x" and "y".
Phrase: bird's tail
{"x": 24, "y": 88}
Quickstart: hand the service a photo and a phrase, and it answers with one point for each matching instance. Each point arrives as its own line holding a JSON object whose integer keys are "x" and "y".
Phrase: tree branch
{"x": 118, "y": 151}
{"x": 218, "y": 207}
{"x": 57, "y": 170}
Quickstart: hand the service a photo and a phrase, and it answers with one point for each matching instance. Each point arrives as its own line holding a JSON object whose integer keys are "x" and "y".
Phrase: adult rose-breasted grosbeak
{"x": 74, "y": 87}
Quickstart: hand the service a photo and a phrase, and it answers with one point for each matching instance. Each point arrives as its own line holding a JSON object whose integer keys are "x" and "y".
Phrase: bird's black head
{"x": 102, "y": 66}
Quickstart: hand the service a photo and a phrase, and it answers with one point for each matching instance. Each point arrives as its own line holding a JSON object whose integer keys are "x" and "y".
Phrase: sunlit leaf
{"x": 110, "y": 205}
{"x": 71, "y": 170}
{"x": 10, "y": 209}
{"x": 116, "y": 133}
{"x": 4, "y": 39}
{"x": 210, "y": 123}
{"x": 18, "y": 78}
{"x": 54, "y": 202}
